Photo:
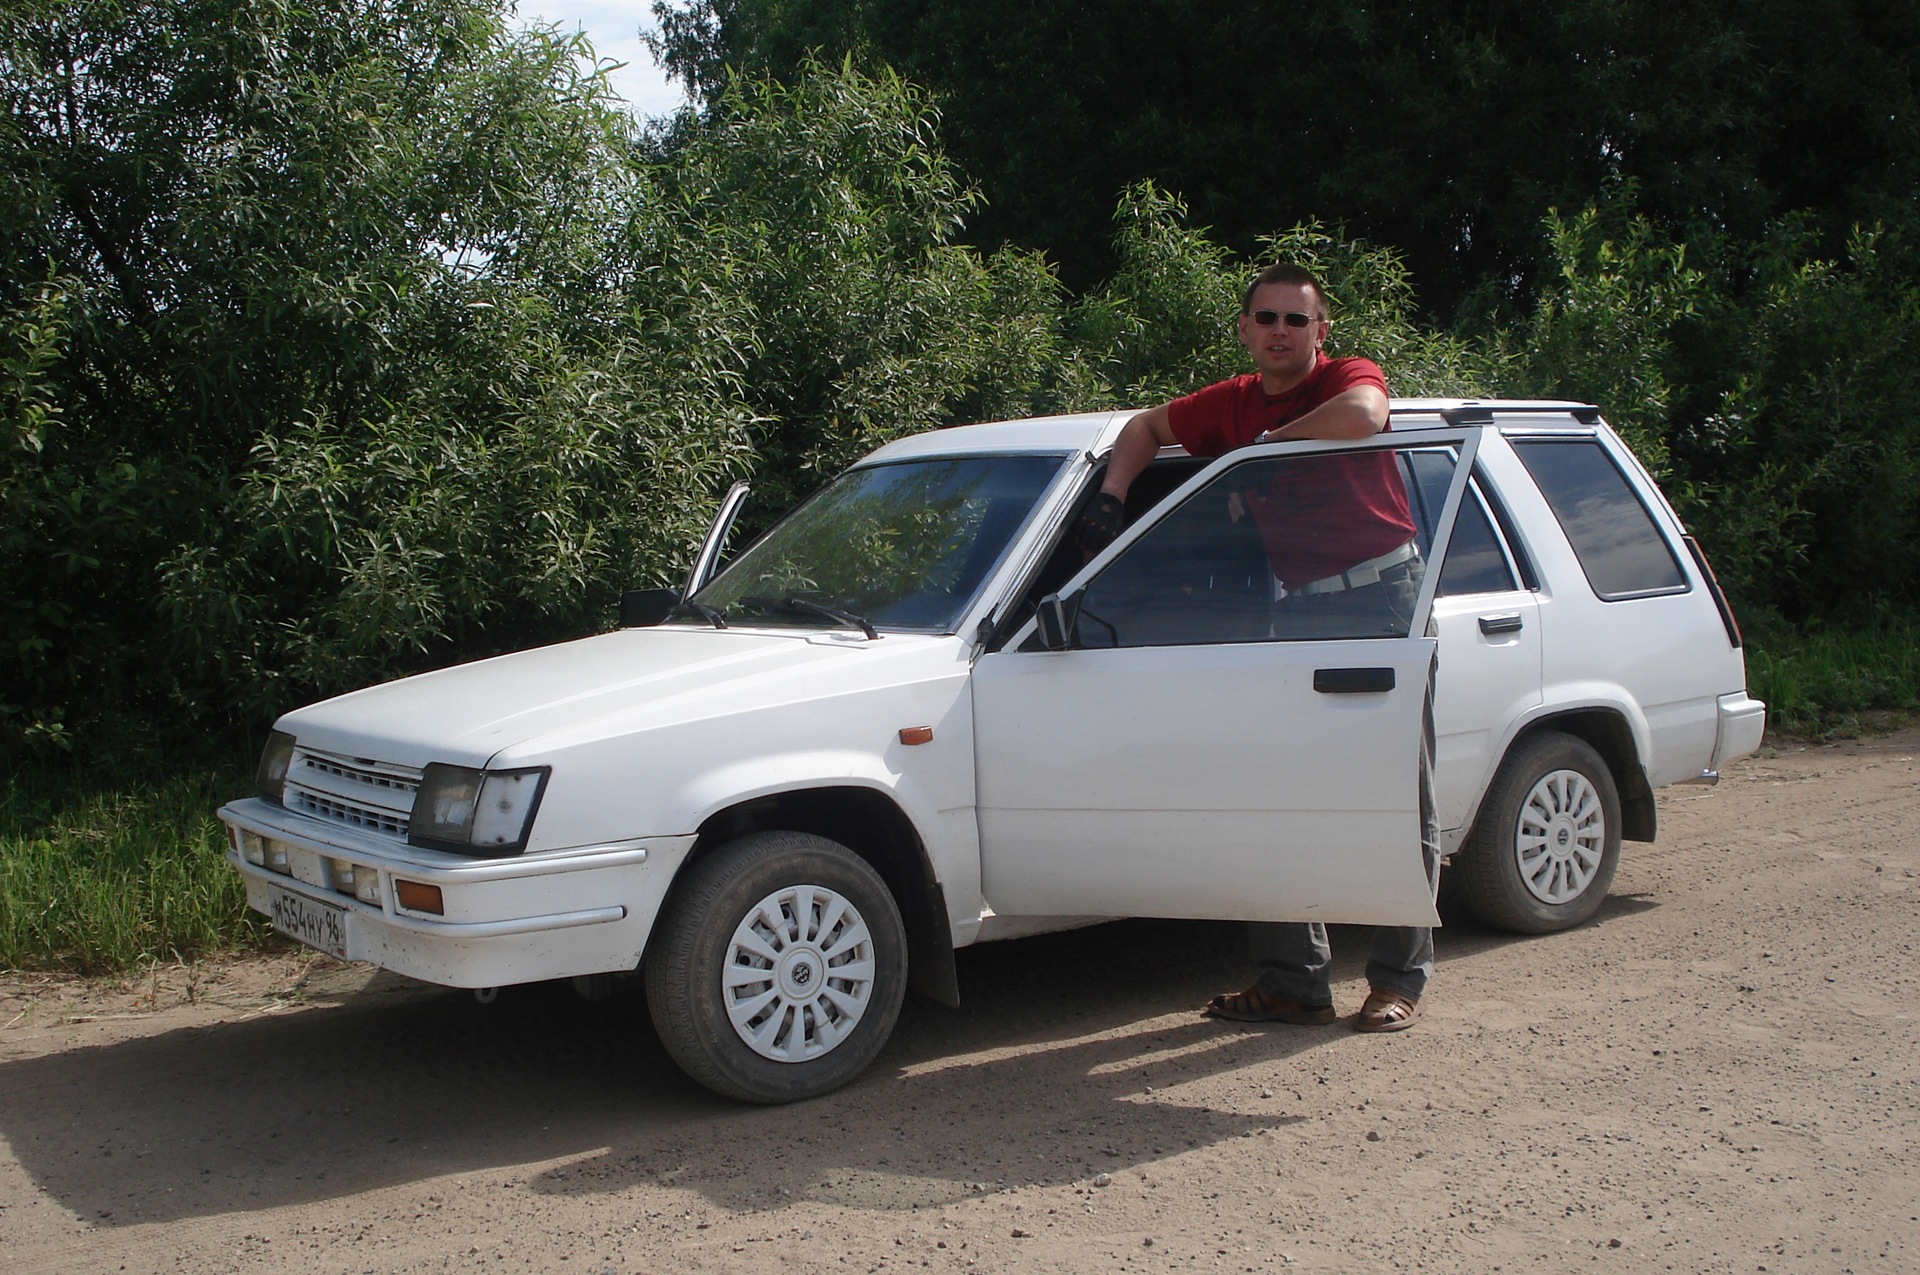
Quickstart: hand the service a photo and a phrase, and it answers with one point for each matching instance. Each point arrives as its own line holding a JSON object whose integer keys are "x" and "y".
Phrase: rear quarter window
{"x": 1612, "y": 532}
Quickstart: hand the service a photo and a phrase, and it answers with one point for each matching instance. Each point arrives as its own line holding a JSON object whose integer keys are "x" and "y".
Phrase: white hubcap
{"x": 799, "y": 973}
{"x": 1562, "y": 834}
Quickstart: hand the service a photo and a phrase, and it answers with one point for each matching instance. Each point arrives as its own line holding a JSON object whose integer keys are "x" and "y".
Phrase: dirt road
{"x": 1720, "y": 1073}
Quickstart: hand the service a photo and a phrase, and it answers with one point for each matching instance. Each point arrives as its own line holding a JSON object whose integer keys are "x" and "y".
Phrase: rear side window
{"x": 1612, "y": 533}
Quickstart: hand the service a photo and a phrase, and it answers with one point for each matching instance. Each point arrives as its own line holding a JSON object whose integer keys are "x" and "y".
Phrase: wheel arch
{"x": 873, "y": 826}
{"x": 1608, "y": 733}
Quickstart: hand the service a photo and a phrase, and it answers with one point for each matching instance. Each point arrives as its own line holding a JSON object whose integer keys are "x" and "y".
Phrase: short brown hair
{"x": 1286, "y": 272}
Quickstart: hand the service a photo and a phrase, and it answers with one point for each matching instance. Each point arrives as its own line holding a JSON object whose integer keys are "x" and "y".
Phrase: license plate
{"x": 316, "y": 924}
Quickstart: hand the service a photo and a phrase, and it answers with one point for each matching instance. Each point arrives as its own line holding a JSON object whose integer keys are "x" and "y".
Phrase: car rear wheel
{"x": 1545, "y": 845}
{"x": 778, "y": 969}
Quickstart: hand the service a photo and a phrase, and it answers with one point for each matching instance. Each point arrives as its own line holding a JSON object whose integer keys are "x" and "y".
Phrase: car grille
{"x": 368, "y": 795}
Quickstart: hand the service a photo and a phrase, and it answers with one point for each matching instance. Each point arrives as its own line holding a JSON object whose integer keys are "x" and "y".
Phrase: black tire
{"x": 818, "y": 1028}
{"x": 1545, "y": 845}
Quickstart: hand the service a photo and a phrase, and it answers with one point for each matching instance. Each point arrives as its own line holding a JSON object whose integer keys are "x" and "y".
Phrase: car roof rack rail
{"x": 1471, "y": 413}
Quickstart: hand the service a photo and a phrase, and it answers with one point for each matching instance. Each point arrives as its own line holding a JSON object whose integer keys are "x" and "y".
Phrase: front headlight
{"x": 477, "y": 812}
{"x": 270, "y": 777}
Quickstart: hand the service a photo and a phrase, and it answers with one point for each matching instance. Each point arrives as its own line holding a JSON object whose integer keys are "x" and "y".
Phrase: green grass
{"x": 1828, "y": 682}
{"x": 98, "y": 876}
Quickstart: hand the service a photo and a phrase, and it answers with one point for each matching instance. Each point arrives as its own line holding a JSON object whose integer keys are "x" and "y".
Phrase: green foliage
{"x": 1800, "y": 431}
{"x": 1612, "y": 289}
{"x": 344, "y": 348}
{"x": 1446, "y": 130}
{"x": 98, "y": 875}
{"x": 1163, "y": 324}
{"x": 1838, "y": 680}
{"x": 32, "y": 500}
{"x": 823, "y": 216}
{"x": 343, "y": 339}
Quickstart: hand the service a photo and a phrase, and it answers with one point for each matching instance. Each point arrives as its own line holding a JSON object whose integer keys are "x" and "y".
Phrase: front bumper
{"x": 555, "y": 914}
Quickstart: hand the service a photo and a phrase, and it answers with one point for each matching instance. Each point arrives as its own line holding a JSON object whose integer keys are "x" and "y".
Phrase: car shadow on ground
{"x": 1093, "y": 1030}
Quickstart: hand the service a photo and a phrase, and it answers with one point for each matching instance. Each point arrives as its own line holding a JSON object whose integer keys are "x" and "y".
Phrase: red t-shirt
{"x": 1317, "y": 515}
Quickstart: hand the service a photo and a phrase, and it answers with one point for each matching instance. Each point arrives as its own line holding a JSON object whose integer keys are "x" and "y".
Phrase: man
{"x": 1340, "y": 542}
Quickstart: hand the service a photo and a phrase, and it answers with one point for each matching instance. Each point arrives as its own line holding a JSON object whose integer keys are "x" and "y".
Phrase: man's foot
{"x": 1386, "y": 1011}
{"x": 1257, "y": 1006}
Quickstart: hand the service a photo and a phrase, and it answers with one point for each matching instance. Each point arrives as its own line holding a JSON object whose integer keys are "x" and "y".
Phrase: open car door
{"x": 1186, "y": 752}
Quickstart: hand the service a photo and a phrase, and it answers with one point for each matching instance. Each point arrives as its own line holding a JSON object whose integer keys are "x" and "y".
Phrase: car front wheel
{"x": 778, "y": 969}
{"x": 1545, "y": 845}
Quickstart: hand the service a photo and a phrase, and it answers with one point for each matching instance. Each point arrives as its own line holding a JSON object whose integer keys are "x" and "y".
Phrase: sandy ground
{"x": 1717, "y": 1074}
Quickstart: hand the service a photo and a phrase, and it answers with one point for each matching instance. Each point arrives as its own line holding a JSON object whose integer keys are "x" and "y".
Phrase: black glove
{"x": 1099, "y": 523}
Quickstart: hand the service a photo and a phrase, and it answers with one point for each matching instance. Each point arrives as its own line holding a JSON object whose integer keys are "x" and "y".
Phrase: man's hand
{"x": 1099, "y": 523}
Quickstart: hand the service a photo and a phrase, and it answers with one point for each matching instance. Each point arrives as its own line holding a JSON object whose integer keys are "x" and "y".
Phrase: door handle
{"x": 1352, "y": 681}
{"x": 1508, "y": 623}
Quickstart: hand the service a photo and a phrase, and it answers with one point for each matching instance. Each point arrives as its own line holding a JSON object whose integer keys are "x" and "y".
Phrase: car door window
{"x": 1203, "y": 575}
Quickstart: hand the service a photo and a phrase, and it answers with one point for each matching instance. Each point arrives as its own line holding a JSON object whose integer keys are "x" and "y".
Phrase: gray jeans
{"x": 1294, "y": 957}
{"x": 1376, "y": 610}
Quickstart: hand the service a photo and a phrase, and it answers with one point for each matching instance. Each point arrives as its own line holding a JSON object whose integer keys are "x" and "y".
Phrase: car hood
{"x": 468, "y": 714}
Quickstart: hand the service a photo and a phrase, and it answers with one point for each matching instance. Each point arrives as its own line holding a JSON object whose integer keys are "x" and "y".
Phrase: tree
{"x": 303, "y": 303}
{"x": 1446, "y": 130}
{"x": 348, "y": 339}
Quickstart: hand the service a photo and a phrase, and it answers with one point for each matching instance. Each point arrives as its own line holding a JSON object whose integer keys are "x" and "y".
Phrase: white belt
{"x": 1359, "y": 574}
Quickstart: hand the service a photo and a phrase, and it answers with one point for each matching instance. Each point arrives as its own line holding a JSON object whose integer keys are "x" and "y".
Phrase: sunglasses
{"x": 1292, "y": 318}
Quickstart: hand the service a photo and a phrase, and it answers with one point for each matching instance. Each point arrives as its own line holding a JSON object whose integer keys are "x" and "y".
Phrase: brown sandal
{"x": 1257, "y": 1006}
{"x": 1386, "y": 1011}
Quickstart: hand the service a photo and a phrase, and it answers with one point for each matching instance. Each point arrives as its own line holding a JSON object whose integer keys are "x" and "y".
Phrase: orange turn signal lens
{"x": 916, "y": 734}
{"x": 415, "y": 897}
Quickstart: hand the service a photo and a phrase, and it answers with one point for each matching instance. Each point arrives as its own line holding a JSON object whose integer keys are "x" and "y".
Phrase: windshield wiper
{"x": 710, "y": 614}
{"x": 808, "y": 607}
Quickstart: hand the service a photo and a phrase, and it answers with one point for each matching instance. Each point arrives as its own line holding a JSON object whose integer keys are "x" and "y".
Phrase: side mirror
{"x": 1058, "y": 618}
{"x": 644, "y": 608}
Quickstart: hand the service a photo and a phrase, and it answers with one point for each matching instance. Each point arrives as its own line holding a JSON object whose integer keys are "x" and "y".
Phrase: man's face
{"x": 1283, "y": 355}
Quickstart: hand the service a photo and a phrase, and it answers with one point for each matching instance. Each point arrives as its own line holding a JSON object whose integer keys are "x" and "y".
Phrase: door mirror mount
{"x": 644, "y": 608}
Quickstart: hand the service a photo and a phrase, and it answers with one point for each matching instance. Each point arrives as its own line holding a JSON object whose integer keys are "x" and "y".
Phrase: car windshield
{"x": 902, "y": 546}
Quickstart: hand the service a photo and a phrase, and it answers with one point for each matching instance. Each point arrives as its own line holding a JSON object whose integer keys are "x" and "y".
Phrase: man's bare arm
{"x": 1355, "y": 413}
{"x": 1140, "y": 441}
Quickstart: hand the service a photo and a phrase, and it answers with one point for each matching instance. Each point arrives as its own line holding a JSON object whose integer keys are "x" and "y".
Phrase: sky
{"x": 614, "y": 27}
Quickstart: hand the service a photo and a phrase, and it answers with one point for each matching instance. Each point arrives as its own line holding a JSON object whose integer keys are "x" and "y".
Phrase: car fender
{"x": 1567, "y": 700}
{"x": 948, "y": 834}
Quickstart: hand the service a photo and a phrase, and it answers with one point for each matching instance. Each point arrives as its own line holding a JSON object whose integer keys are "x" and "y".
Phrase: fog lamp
{"x": 251, "y": 845}
{"x": 362, "y": 882}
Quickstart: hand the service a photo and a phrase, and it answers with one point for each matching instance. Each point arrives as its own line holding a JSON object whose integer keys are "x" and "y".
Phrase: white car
{"x": 910, "y": 718}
